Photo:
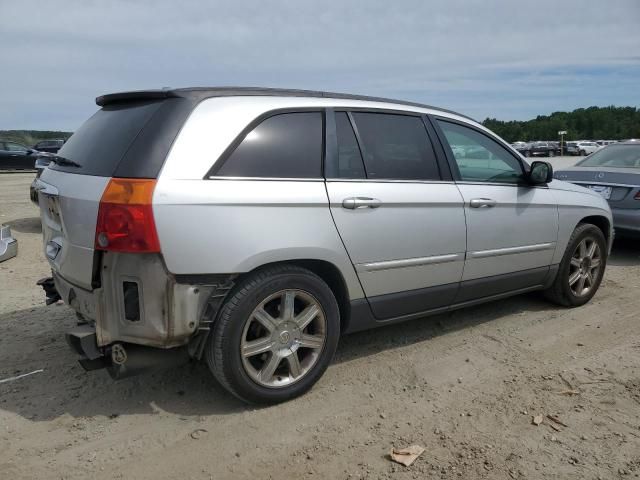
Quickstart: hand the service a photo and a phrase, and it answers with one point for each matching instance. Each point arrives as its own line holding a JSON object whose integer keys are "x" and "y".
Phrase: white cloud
{"x": 480, "y": 57}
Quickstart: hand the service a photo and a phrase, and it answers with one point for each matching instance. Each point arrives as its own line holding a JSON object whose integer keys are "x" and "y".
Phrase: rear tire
{"x": 275, "y": 336}
{"x": 581, "y": 269}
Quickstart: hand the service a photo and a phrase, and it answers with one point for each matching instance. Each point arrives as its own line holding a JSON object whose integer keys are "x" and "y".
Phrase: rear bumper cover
{"x": 626, "y": 219}
{"x": 168, "y": 312}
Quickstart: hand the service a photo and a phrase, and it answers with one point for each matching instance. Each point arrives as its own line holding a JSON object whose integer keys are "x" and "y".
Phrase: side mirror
{"x": 540, "y": 173}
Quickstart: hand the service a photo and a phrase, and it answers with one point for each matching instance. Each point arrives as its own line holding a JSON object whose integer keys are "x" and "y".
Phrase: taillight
{"x": 637, "y": 195}
{"x": 125, "y": 217}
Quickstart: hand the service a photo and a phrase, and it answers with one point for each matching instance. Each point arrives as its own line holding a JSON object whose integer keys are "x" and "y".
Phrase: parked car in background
{"x": 42, "y": 162}
{"x": 604, "y": 143}
{"x": 256, "y": 248}
{"x": 572, "y": 148}
{"x": 541, "y": 149}
{"x": 586, "y": 148}
{"x": 520, "y": 147}
{"x": 614, "y": 173}
{"x": 50, "y": 146}
{"x": 14, "y": 156}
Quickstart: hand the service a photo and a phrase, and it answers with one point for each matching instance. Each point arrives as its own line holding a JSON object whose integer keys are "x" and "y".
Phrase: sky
{"x": 505, "y": 59}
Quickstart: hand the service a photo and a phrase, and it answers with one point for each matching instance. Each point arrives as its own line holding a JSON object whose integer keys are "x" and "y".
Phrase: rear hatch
{"x": 126, "y": 139}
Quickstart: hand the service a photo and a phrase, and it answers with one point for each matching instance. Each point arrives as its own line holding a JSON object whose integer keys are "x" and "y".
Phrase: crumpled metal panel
{"x": 8, "y": 244}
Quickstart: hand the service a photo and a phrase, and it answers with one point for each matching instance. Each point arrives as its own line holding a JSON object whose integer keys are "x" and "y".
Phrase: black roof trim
{"x": 200, "y": 93}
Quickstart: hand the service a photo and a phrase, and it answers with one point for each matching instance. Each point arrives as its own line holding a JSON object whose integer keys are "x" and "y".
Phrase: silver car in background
{"x": 614, "y": 173}
{"x": 252, "y": 227}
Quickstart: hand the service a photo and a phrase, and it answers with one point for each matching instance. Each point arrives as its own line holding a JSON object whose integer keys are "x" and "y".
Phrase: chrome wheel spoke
{"x": 582, "y": 248}
{"x": 306, "y": 316}
{"x": 595, "y": 263}
{"x": 256, "y": 347}
{"x": 266, "y": 320}
{"x": 295, "y": 370}
{"x": 311, "y": 341}
{"x": 592, "y": 249}
{"x": 581, "y": 283}
{"x": 269, "y": 368}
{"x": 574, "y": 277}
{"x": 287, "y": 305}
{"x": 575, "y": 262}
{"x": 589, "y": 277}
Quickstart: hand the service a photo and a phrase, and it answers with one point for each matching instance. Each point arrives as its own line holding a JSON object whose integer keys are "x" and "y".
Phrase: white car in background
{"x": 587, "y": 148}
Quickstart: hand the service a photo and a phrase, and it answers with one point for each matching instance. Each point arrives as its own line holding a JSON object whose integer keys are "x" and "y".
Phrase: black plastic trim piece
{"x": 492, "y": 288}
{"x": 494, "y": 285}
{"x": 412, "y": 301}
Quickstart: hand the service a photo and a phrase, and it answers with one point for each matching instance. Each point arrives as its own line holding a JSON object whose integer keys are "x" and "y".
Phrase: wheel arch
{"x": 329, "y": 273}
{"x": 602, "y": 223}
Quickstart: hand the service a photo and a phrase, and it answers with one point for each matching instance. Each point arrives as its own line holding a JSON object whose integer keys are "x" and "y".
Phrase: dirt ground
{"x": 464, "y": 385}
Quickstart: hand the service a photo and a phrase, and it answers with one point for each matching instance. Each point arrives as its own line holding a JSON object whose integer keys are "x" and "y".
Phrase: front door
{"x": 402, "y": 225}
{"x": 512, "y": 228}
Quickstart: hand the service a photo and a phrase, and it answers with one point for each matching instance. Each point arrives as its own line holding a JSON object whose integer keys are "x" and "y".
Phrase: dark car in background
{"x": 614, "y": 173}
{"x": 49, "y": 146}
{"x": 15, "y": 156}
{"x": 541, "y": 149}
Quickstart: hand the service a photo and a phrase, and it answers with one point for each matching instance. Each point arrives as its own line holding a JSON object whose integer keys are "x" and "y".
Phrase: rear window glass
{"x": 396, "y": 147}
{"x": 102, "y": 141}
{"x": 622, "y": 156}
{"x": 286, "y": 145}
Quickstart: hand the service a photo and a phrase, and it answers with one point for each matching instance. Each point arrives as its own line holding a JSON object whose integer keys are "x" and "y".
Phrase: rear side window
{"x": 396, "y": 147}
{"x": 349, "y": 157}
{"x": 286, "y": 145}
{"x": 101, "y": 142}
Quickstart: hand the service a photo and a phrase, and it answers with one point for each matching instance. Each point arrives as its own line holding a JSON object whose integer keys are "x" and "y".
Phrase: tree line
{"x": 593, "y": 123}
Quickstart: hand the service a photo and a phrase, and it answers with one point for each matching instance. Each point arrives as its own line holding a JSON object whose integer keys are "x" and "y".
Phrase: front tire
{"x": 275, "y": 336}
{"x": 581, "y": 269}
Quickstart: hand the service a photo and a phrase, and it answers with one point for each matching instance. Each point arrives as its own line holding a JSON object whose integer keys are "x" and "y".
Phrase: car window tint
{"x": 479, "y": 158}
{"x": 287, "y": 145}
{"x": 14, "y": 147}
{"x": 349, "y": 156}
{"x": 396, "y": 147}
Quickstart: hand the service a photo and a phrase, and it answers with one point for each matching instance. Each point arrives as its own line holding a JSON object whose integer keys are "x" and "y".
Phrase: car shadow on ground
{"x": 625, "y": 252}
{"x": 34, "y": 339}
{"x": 26, "y": 225}
{"x": 190, "y": 390}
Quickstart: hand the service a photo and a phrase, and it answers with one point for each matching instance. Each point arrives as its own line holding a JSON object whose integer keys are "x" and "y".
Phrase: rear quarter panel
{"x": 234, "y": 226}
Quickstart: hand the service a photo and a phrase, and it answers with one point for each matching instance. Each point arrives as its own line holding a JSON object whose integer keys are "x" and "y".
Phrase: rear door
{"x": 400, "y": 216}
{"x": 512, "y": 227}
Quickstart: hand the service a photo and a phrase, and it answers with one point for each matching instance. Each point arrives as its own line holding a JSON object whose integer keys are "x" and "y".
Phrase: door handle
{"x": 352, "y": 203}
{"x": 482, "y": 203}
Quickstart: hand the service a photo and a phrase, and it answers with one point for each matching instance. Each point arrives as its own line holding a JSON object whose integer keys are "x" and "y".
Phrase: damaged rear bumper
{"x": 139, "y": 317}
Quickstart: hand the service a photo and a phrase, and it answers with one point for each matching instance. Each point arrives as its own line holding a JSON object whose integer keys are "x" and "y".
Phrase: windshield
{"x": 624, "y": 156}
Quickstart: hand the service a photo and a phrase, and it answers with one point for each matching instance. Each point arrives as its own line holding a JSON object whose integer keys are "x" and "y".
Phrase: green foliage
{"x": 30, "y": 137}
{"x": 593, "y": 123}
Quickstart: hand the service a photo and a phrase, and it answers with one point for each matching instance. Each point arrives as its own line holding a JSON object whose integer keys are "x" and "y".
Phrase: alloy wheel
{"x": 584, "y": 267}
{"x": 283, "y": 338}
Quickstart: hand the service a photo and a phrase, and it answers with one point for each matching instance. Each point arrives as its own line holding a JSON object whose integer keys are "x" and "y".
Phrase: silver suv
{"x": 253, "y": 227}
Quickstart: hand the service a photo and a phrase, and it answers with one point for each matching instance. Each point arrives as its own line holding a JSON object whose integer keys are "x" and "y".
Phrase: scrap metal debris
{"x": 406, "y": 456}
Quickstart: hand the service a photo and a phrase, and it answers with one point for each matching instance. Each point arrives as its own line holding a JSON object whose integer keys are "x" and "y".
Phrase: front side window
{"x": 286, "y": 145}
{"x": 396, "y": 147}
{"x": 479, "y": 158}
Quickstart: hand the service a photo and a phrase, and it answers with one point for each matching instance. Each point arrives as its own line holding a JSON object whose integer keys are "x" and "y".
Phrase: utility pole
{"x": 562, "y": 133}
